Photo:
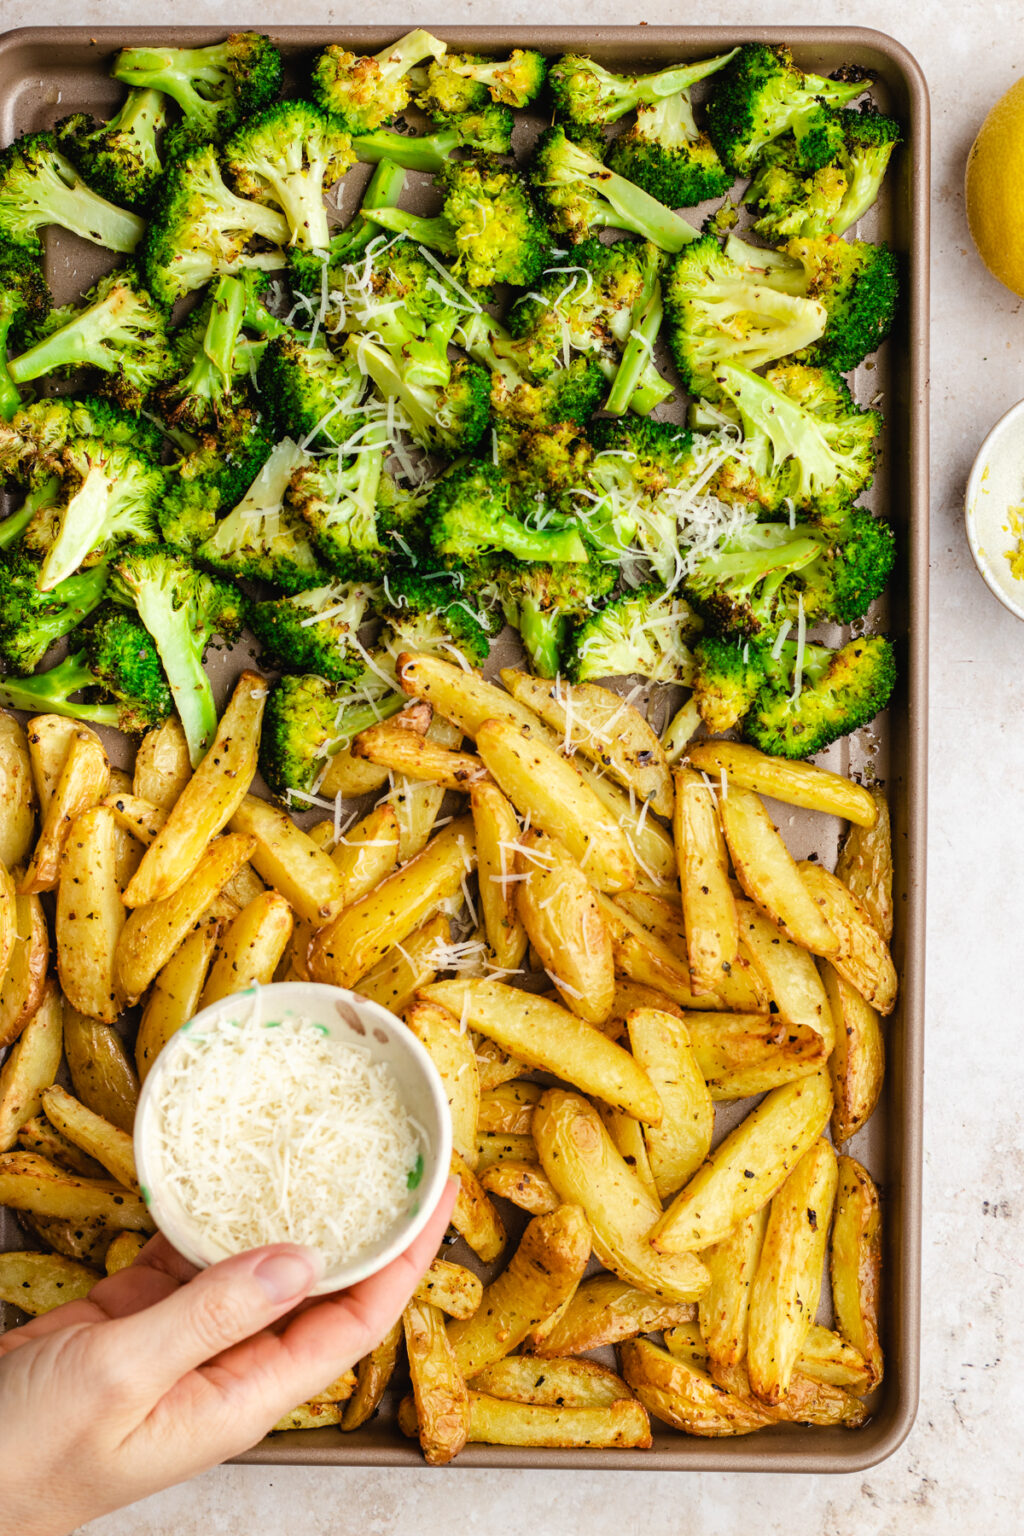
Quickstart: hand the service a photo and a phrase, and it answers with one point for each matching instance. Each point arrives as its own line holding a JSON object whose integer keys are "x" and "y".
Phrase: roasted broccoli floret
{"x": 204, "y": 391}
{"x": 836, "y": 692}
{"x": 744, "y": 586}
{"x": 791, "y": 201}
{"x": 262, "y": 537}
{"x": 463, "y": 82}
{"x": 118, "y": 330}
{"x": 426, "y": 610}
{"x": 119, "y": 158}
{"x": 198, "y": 228}
{"x": 52, "y": 693}
{"x": 485, "y": 131}
{"x": 310, "y": 393}
{"x": 214, "y": 86}
{"x": 310, "y": 271}
{"x": 306, "y": 720}
{"x": 31, "y": 621}
{"x": 629, "y": 503}
{"x": 336, "y": 497}
{"x": 719, "y": 312}
{"x": 46, "y": 426}
{"x": 666, "y": 154}
{"x": 646, "y": 631}
{"x": 762, "y": 94}
{"x": 563, "y": 394}
{"x": 405, "y": 302}
{"x": 488, "y": 223}
{"x": 24, "y": 305}
{"x": 289, "y": 156}
{"x": 581, "y": 195}
{"x": 728, "y": 674}
{"x": 452, "y": 418}
{"x": 542, "y": 601}
{"x": 182, "y": 608}
{"x": 857, "y": 283}
{"x": 546, "y": 463}
{"x": 315, "y": 631}
{"x": 39, "y": 186}
{"x": 367, "y": 91}
{"x": 122, "y": 654}
{"x": 470, "y": 518}
{"x": 589, "y": 96}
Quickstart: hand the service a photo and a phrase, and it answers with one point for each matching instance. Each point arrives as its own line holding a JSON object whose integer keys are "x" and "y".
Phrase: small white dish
{"x": 350, "y": 1020}
{"x": 995, "y": 486}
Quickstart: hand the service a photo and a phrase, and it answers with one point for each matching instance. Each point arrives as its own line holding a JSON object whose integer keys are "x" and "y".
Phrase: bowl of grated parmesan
{"x": 294, "y": 1113}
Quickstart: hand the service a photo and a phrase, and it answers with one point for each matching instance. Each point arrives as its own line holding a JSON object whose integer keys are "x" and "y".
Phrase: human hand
{"x": 163, "y": 1372}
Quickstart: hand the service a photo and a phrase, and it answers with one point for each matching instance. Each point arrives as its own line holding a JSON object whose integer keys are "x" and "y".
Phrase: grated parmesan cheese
{"x": 279, "y": 1134}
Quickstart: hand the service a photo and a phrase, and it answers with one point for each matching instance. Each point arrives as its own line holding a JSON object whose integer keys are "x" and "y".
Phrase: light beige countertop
{"x": 962, "y": 1468}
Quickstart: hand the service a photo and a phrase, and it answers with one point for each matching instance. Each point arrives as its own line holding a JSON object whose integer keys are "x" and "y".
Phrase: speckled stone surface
{"x": 962, "y": 1468}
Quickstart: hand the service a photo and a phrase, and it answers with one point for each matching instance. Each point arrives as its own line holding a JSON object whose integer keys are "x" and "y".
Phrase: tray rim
{"x": 792, "y": 1453}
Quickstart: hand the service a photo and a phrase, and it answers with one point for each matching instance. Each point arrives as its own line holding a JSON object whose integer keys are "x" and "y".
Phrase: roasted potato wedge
{"x": 865, "y": 865}
{"x": 740, "y": 1054}
{"x": 863, "y": 957}
{"x": 681, "y": 1140}
{"x": 856, "y": 1264}
{"x": 250, "y": 948}
{"x": 97, "y": 1137}
{"x": 679, "y": 1393}
{"x": 827, "y": 1357}
{"x": 38, "y": 1282}
{"x": 123, "y": 1250}
{"x": 39, "y": 1136}
{"x": 627, "y": 1137}
{"x": 723, "y": 1309}
{"x": 509, "y": 1108}
{"x": 49, "y": 737}
{"x": 498, "y": 1421}
{"x": 497, "y": 833}
{"x": 648, "y": 841}
{"x": 101, "y": 1073}
{"x": 417, "y": 757}
{"x": 709, "y": 907}
{"x": 559, "y": 910}
{"x": 90, "y": 915}
{"x": 162, "y": 765}
{"x": 788, "y": 973}
{"x": 141, "y": 818}
{"x": 31, "y": 1067}
{"x": 498, "y": 1147}
{"x": 309, "y": 1416}
{"x": 767, "y": 871}
{"x": 289, "y": 861}
{"x": 23, "y": 982}
{"x": 85, "y": 1241}
{"x": 128, "y": 849}
{"x": 452, "y": 1287}
{"x": 462, "y": 697}
{"x": 373, "y": 1374}
{"x": 367, "y": 853}
{"x": 474, "y": 1217}
{"x": 552, "y": 1383}
{"x": 521, "y": 1183}
{"x": 494, "y": 1065}
{"x": 174, "y": 996}
{"x": 30, "y": 1183}
{"x": 417, "y": 802}
{"x": 606, "y": 1310}
{"x": 794, "y": 783}
{"x": 17, "y": 793}
{"x": 808, "y": 1401}
{"x": 83, "y": 781}
{"x": 400, "y": 972}
{"x": 351, "y": 776}
{"x": 857, "y": 1062}
{"x": 680, "y": 731}
{"x": 451, "y": 1051}
{"x": 438, "y": 1384}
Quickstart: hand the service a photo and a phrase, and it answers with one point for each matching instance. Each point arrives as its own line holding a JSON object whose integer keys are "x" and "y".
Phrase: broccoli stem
{"x": 488, "y": 342}
{"x": 645, "y": 323}
{"x": 436, "y": 234}
{"x": 81, "y": 528}
{"x": 792, "y": 431}
{"x": 426, "y": 152}
{"x": 10, "y": 400}
{"x": 83, "y": 342}
{"x": 383, "y": 190}
{"x": 394, "y": 384}
{"x": 176, "y": 72}
{"x": 50, "y": 693}
{"x": 543, "y": 635}
{"x": 227, "y": 315}
{"x": 64, "y": 196}
{"x": 182, "y": 660}
{"x": 409, "y": 50}
{"x": 634, "y": 209}
{"x": 43, "y": 495}
{"x": 79, "y": 596}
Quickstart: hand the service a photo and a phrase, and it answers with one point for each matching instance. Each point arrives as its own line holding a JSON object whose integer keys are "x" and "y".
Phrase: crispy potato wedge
{"x": 745, "y": 1170}
{"x": 363, "y": 933}
{"x": 857, "y": 1062}
{"x": 141, "y": 818}
{"x": 681, "y": 1140}
{"x": 174, "y": 996}
{"x": 17, "y": 793}
{"x": 498, "y": 1421}
{"x": 497, "y": 833}
{"x": 509, "y": 1108}
{"x": 633, "y": 994}
{"x": 452, "y": 1287}
{"x": 367, "y": 853}
{"x": 681, "y": 1394}
{"x": 856, "y": 1263}
{"x": 417, "y": 802}
{"x": 499, "y": 1147}
{"x": 250, "y": 948}
{"x": 559, "y": 910}
{"x": 627, "y": 1137}
{"x": 650, "y": 949}
{"x": 546, "y": 787}
{"x": 152, "y": 934}
{"x": 123, "y": 1250}
{"x": 686, "y": 1342}
{"x": 244, "y": 887}
{"x": 680, "y": 731}
{"x": 101, "y": 1073}
{"x": 787, "y": 1285}
{"x": 38, "y": 1135}
{"x": 865, "y": 865}
{"x": 309, "y": 1416}
{"x": 31, "y": 1067}
{"x": 289, "y": 861}
{"x": 373, "y": 1374}
{"x": 649, "y": 842}
{"x": 400, "y": 972}
{"x": 49, "y": 737}
{"x": 474, "y": 1216}
{"x": 549, "y": 1038}
{"x": 494, "y": 1065}
{"x": 521, "y": 1183}
{"x": 451, "y": 1051}
{"x": 461, "y": 697}
{"x": 543, "y": 1272}
{"x": 827, "y": 1357}
{"x": 863, "y": 957}
{"x": 579, "y": 1158}
{"x": 417, "y": 757}
{"x": 23, "y": 982}
{"x": 83, "y": 781}
{"x": 740, "y": 1054}
{"x": 209, "y": 800}
{"x": 97, "y": 1137}
{"x": 128, "y": 849}
{"x": 86, "y": 1241}
{"x": 38, "y": 1282}
{"x": 162, "y": 765}
{"x": 351, "y": 776}
{"x": 604, "y": 727}
{"x": 788, "y": 973}
{"x": 709, "y": 907}
{"x": 606, "y": 1310}
{"x": 438, "y": 1384}
{"x": 767, "y": 871}
{"x": 30, "y": 1183}
{"x": 807, "y": 1402}
{"x": 794, "y": 783}
{"x": 337, "y": 1391}
{"x": 90, "y": 915}
{"x": 552, "y": 1383}
{"x": 723, "y": 1309}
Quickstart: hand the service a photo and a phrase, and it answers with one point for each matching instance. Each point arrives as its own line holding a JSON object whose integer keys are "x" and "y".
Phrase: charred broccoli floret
{"x": 403, "y": 301}
{"x": 39, "y": 186}
{"x": 426, "y": 610}
{"x": 581, "y": 195}
{"x": 542, "y": 601}
{"x": 563, "y": 394}
{"x": 835, "y": 692}
{"x": 645, "y": 631}
{"x": 306, "y": 720}
{"x": 262, "y": 537}
{"x": 310, "y": 272}
{"x": 314, "y": 631}
{"x": 310, "y": 393}
{"x": 44, "y": 427}
{"x": 367, "y": 91}
{"x": 470, "y": 519}
{"x": 336, "y": 497}
{"x": 24, "y": 305}
{"x": 790, "y": 201}
{"x": 204, "y": 391}
{"x": 31, "y": 621}
{"x": 124, "y": 658}
{"x": 119, "y": 158}
{"x": 214, "y": 86}
{"x": 727, "y": 676}
{"x": 464, "y": 82}
{"x": 637, "y": 466}
{"x": 53, "y": 693}
{"x": 289, "y": 156}
{"x": 452, "y": 418}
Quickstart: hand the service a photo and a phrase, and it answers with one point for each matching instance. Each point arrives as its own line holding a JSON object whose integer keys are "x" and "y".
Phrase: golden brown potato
{"x": 793, "y": 783}
{"x": 162, "y": 765}
{"x": 787, "y": 1285}
{"x": 401, "y": 751}
{"x": 417, "y": 802}
{"x": 501, "y": 1147}
{"x": 649, "y": 842}
{"x": 49, "y": 737}
{"x": 680, "y": 731}
{"x": 827, "y": 1357}
{"x": 650, "y": 949}
{"x": 174, "y": 996}
{"x": 23, "y": 982}
{"x": 38, "y": 1135}
{"x": 38, "y": 1282}
{"x": 709, "y": 907}
{"x": 373, "y": 1374}
{"x": 82, "y": 782}
{"x": 857, "y": 1062}
{"x": 124, "y": 1249}
{"x": 400, "y": 972}
{"x": 438, "y": 1384}
{"x": 452, "y": 1287}
{"x": 863, "y": 957}
{"x": 767, "y": 871}
{"x": 686, "y": 1342}
{"x": 740, "y": 1054}
{"x": 549, "y": 1038}
{"x": 628, "y": 1139}
{"x": 681, "y": 1140}
{"x": 31, "y": 1067}
{"x": 558, "y": 908}
{"x": 681, "y": 1394}
{"x": 85, "y": 1241}
{"x": 856, "y": 1264}
{"x": 865, "y": 866}
{"x": 141, "y": 818}
{"x": 351, "y": 776}
{"x": 98, "y": 1138}
{"x": 128, "y": 849}
{"x": 363, "y": 933}
{"x": 250, "y": 948}
{"x": 546, "y": 787}
{"x": 494, "y": 1065}
{"x": 30, "y": 1183}
{"x": 606, "y": 1310}
{"x": 461, "y": 697}
{"x": 788, "y": 972}
{"x": 451, "y": 1051}
{"x": 552, "y": 1383}
{"x": 521, "y": 1183}
{"x": 101, "y": 1073}
{"x": 808, "y": 1401}
{"x": 289, "y": 861}
{"x": 309, "y": 1416}
{"x": 722, "y": 1310}
{"x": 90, "y": 915}
{"x": 498, "y": 1421}
{"x": 497, "y": 833}
{"x": 474, "y": 1216}
{"x": 581, "y": 1162}
{"x": 337, "y": 1391}
{"x": 17, "y": 793}
{"x": 745, "y": 1170}
{"x": 508, "y": 1109}
{"x": 367, "y": 853}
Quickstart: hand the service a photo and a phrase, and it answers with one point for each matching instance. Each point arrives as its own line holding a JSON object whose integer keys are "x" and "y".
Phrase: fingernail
{"x": 287, "y": 1275}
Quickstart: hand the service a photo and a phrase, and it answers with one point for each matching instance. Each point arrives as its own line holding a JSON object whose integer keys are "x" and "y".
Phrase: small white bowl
{"x": 350, "y": 1020}
{"x": 996, "y": 484}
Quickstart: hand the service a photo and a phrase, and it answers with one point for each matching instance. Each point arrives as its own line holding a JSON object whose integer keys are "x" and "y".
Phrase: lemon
{"x": 994, "y": 189}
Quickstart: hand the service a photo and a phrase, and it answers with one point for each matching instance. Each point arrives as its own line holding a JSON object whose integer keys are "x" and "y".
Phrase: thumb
{"x": 220, "y": 1307}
